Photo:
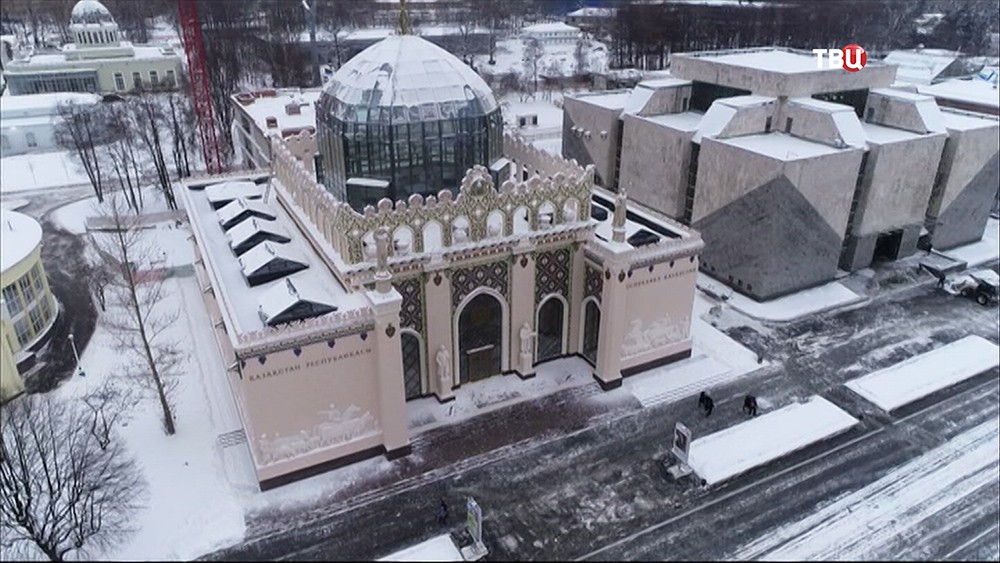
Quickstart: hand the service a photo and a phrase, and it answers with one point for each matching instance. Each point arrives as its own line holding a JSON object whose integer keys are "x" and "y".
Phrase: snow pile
{"x": 922, "y": 375}
{"x": 440, "y": 548}
{"x": 890, "y": 510}
{"x": 738, "y": 449}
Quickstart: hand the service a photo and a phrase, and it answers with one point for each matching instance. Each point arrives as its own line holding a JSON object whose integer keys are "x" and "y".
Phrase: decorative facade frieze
{"x": 411, "y": 314}
{"x": 494, "y": 275}
{"x": 553, "y": 270}
{"x": 305, "y": 332}
{"x": 593, "y": 282}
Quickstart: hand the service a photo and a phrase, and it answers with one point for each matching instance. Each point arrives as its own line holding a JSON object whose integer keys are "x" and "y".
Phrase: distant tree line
{"x": 645, "y": 33}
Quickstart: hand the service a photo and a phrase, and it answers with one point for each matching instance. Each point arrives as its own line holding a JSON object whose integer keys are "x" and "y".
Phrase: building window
{"x": 767, "y": 125}
{"x": 154, "y": 78}
{"x": 136, "y": 80}
{"x": 788, "y": 125}
{"x": 37, "y": 322}
{"x": 869, "y": 114}
{"x": 684, "y": 103}
{"x": 23, "y": 331}
{"x": 29, "y": 138}
{"x": 24, "y": 285}
{"x": 692, "y": 179}
{"x": 12, "y": 300}
{"x": 171, "y": 78}
{"x": 119, "y": 81}
{"x": 38, "y": 279}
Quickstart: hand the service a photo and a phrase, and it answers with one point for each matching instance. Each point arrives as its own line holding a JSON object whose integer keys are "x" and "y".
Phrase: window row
{"x": 91, "y": 37}
{"x": 154, "y": 79}
{"x": 22, "y": 293}
{"x": 41, "y": 84}
{"x": 28, "y": 327}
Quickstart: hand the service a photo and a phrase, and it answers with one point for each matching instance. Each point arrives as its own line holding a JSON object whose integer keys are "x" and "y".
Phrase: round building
{"x": 404, "y": 117}
{"x": 28, "y": 309}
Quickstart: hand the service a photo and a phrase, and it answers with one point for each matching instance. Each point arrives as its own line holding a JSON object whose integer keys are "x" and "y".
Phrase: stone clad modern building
{"x": 330, "y": 329}
{"x": 788, "y": 171}
{"x": 99, "y": 60}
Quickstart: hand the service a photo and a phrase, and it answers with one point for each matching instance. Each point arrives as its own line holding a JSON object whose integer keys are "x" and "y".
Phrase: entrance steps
{"x": 678, "y": 381}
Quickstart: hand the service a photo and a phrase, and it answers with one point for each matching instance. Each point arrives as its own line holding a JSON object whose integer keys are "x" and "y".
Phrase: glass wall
{"x": 52, "y": 82}
{"x": 415, "y": 156}
{"x": 29, "y": 305}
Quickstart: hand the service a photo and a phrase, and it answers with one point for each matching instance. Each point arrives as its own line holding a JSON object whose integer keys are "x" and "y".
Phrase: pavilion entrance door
{"x": 480, "y": 331}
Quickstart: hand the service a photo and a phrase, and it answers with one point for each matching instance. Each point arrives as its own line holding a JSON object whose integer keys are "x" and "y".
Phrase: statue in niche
{"x": 527, "y": 337}
{"x": 620, "y": 207}
{"x": 444, "y": 369}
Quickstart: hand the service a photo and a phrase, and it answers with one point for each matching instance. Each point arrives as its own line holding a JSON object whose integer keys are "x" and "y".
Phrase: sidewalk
{"x": 783, "y": 309}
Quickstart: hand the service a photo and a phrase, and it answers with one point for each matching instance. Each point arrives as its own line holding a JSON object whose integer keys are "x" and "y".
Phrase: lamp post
{"x": 79, "y": 367}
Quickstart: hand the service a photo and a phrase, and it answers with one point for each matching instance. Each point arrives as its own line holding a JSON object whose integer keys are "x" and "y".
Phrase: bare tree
{"x": 109, "y": 405}
{"x": 139, "y": 314}
{"x": 81, "y": 132}
{"x": 121, "y": 152}
{"x": 148, "y": 121}
{"x": 61, "y": 492}
{"x": 582, "y": 56}
{"x": 182, "y": 127}
{"x": 532, "y": 55}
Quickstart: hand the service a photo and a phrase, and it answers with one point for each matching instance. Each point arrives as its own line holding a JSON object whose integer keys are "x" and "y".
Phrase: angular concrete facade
{"x": 755, "y": 147}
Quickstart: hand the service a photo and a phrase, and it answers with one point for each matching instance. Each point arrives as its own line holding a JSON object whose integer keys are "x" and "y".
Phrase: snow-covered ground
{"x": 922, "y": 375}
{"x": 787, "y": 308}
{"x": 763, "y": 439}
{"x": 73, "y": 217}
{"x": 191, "y": 508}
{"x": 35, "y": 171}
{"x": 440, "y": 548}
{"x": 982, "y": 252}
{"x": 862, "y": 524}
{"x": 557, "y": 60}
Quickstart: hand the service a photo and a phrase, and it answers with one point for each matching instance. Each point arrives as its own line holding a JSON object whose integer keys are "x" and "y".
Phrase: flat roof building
{"x": 789, "y": 171}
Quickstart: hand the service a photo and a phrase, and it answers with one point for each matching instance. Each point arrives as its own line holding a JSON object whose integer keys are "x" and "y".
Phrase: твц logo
{"x": 851, "y": 58}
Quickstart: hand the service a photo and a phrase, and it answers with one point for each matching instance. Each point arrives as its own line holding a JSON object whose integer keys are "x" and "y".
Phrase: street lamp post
{"x": 79, "y": 367}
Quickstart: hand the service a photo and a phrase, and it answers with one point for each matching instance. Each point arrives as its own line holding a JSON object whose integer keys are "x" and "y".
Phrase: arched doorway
{"x": 591, "y": 330}
{"x": 551, "y": 316}
{"x": 480, "y": 334}
{"x": 412, "y": 365}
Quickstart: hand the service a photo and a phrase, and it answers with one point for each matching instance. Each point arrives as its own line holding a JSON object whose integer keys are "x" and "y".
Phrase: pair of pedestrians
{"x": 706, "y": 404}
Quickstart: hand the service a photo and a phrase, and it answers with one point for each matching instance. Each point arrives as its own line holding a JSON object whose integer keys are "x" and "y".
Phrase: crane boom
{"x": 201, "y": 93}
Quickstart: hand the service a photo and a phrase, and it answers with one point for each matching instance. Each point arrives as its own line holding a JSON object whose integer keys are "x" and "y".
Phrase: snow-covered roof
{"x": 975, "y": 91}
{"x": 847, "y": 122}
{"x": 264, "y": 106}
{"x": 288, "y": 292}
{"x": 684, "y": 121}
{"x": 265, "y": 253}
{"x": 235, "y": 295}
{"x": 965, "y": 121}
{"x": 240, "y": 205}
{"x": 880, "y": 134}
{"x": 926, "y": 106}
{"x": 773, "y": 60}
{"x": 781, "y": 146}
{"x": 616, "y": 99}
{"x": 592, "y": 12}
{"x": 714, "y": 121}
{"x": 90, "y": 11}
{"x": 551, "y": 27}
{"x": 242, "y": 232}
{"x": 406, "y": 79}
{"x": 20, "y": 235}
{"x": 227, "y": 191}
{"x": 42, "y": 104}
{"x": 920, "y": 66}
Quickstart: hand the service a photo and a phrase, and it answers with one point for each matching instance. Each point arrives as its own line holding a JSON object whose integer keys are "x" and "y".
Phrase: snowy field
{"x": 738, "y": 449}
{"x": 557, "y": 59}
{"x": 789, "y": 307}
{"x": 922, "y": 375}
{"x": 440, "y": 548}
{"x": 36, "y": 171}
{"x": 982, "y": 252}
{"x": 862, "y": 525}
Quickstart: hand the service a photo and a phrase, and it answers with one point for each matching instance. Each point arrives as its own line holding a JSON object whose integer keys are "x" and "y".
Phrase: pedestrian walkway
{"x": 783, "y": 309}
{"x": 440, "y": 548}
{"x": 740, "y": 448}
{"x": 922, "y": 375}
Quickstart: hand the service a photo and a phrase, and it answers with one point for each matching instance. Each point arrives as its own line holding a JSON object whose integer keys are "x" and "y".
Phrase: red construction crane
{"x": 201, "y": 92}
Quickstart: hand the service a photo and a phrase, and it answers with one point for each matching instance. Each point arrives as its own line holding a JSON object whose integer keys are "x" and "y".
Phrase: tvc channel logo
{"x": 851, "y": 58}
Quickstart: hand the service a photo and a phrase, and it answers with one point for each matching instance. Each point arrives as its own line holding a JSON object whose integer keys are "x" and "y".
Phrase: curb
{"x": 860, "y": 299}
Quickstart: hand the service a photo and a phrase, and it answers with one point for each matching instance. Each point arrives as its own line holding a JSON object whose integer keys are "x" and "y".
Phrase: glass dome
{"x": 408, "y": 114}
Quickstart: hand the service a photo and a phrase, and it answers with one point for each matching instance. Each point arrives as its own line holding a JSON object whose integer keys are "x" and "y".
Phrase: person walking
{"x": 701, "y": 400}
{"x": 443, "y": 513}
{"x": 750, "y": 405}
{"x": 709, "y": 405}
